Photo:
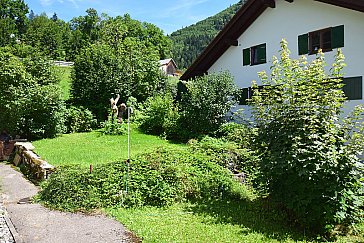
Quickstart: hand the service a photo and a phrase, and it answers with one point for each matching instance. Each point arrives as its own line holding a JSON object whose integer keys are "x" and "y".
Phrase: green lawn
{"x": 213, "y": 222}
{"x": 95, "y": 148}
{"x": 64, "y": 74}
{"x": 246, "y": 220}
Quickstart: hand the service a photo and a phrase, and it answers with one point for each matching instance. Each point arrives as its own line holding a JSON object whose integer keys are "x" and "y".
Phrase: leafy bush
{"x": 112, "y": 127}
{"x": 238, "y": 133}
{"x": 228, "y": 154}
{"x": 79, "y": 119}
{"x": 206, "y": 102}
{"x": 44, "y": 113}
{"x": 158, "y": 111}
{"x": 158, "y": 178}
{"x": 309, "y": 161}
{"x": 30, "y": 104}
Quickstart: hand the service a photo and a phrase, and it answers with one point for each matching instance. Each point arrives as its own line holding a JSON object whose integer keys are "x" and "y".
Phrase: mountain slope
{"x": 190, "y": 41}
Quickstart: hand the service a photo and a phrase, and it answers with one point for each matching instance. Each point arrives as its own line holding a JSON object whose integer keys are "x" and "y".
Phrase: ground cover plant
{"x": 247, "y": 218}
{"x": 158, "y": 178}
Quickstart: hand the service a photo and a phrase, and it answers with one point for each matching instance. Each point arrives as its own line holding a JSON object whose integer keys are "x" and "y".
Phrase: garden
{"x": 195, "y": 172}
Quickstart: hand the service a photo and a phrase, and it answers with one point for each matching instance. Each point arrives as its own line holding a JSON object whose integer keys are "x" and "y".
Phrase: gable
{"x": 241, "y": 22}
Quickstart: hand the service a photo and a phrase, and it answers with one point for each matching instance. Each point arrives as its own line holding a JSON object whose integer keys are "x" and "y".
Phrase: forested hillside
{"x": 190, "y": 41}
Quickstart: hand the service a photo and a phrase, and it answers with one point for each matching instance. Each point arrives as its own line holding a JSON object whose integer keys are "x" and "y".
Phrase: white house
{"x": 247, "y": 43}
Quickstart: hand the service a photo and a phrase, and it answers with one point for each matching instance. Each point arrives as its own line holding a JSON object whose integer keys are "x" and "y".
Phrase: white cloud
{"x": 46, "y": 2}
{"x": 185, "y": 5}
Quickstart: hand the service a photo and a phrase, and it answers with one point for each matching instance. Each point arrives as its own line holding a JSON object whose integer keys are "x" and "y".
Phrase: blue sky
{"x": 167, "y": 15}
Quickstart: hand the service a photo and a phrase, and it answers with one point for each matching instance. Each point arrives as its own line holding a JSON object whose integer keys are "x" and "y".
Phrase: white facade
{"x": 288, "y": 21}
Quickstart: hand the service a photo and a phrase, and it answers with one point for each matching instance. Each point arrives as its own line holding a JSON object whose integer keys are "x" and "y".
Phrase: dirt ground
{"x": 34, "y": 223}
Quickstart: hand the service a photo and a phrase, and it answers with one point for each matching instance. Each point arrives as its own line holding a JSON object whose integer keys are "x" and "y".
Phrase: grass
{"x": 64, "y": 74}
{"x": 245, "y": 220}
{"x": 216, "y": 221}
{"x": 95, "y": 148}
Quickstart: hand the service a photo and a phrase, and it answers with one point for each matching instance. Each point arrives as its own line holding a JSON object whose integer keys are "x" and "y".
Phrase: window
{"x": 255, "y": 55}
{"x": 325, "y": 39}
{"x": 247, "y": 93}
{"x": 353, "y": 88}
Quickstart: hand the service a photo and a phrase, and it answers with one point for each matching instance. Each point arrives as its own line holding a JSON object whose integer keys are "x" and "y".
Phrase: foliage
{"x": 12, "y": 20}
{"x": 130, "y": 70}
{"x": 112, "y": 127}
{"x": 229, "y": 155}
{"x": 158, "y": 178}
{"x": 43, "y": 114}
{"x": 158, "y": 111}
{"x": 309, "y": 162}
{"x": 79, "y": 119}
{"x": 239, "y": 133}
{"x": 206, "y": 102}
{"x": 48, "y": 35}
{"x": 85, "y": 30}
{"x": 30, "y": 104}
{"x": 190, "y": 41}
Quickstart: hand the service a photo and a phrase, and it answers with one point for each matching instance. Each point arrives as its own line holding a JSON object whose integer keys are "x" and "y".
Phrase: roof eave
{"x": 241, "y": 21}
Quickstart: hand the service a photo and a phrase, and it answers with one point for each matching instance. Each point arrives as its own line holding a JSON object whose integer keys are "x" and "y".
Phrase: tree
{"x": 30, "y": 102}
{"x": 101, "y": 72}
{"x": 48, "y": 35}
{"x": 309, "y": 161}
{"x": 12, "y": 20}
{"x": 122, "y": 62}
{"x": 85, "y": 31}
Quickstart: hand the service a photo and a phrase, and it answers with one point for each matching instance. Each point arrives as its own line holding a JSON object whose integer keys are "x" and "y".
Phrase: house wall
{"x": 171, "y": 69}
{"x": 289, "y": 20}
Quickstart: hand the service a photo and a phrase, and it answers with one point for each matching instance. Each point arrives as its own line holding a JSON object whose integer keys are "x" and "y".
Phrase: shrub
{"x": 309, "y": 162}
{"x": 30, "y": 104}
{"x": 158, "y": 111}
{"x": 238, "y": 133}
{"x": 158, "y": 178}
{"x": 206, "y": 102}
{"x": 112, "y": 127}
{"x": 44, "y": 113}
{"x": 79, "y": 119}
{"x": 228, "y": 154}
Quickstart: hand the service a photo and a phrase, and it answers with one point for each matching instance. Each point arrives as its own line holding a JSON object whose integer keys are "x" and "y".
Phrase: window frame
{"x": 321, "y": 34}
{"x": 254, "y": 55}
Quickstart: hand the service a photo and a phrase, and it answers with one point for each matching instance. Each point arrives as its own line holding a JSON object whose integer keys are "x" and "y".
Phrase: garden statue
{"x": 117, "y": 111}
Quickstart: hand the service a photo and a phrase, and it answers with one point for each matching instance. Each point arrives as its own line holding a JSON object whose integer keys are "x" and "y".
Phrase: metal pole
{"x": 128, "y": 161}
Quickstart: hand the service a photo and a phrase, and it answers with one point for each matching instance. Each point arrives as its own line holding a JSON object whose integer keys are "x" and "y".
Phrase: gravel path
{"x": 5, "y": 234}
{"x": 34, "y": 223}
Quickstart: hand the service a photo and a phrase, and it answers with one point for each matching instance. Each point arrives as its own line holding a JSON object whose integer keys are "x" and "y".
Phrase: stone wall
{"x": 24, "y": 154}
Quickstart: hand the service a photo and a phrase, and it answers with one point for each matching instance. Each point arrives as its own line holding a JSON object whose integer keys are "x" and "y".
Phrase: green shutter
{"x": 262, "y": 54}
{"x": 246, "y": 57}
{"x": 353, "y": 88}
{"x": 337, "y": 37}
{"x": 303, "y": 44}
{"x": 244, "y": 96}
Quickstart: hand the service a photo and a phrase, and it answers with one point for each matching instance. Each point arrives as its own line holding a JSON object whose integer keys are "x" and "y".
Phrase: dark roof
{"x": 241, "y": 21}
